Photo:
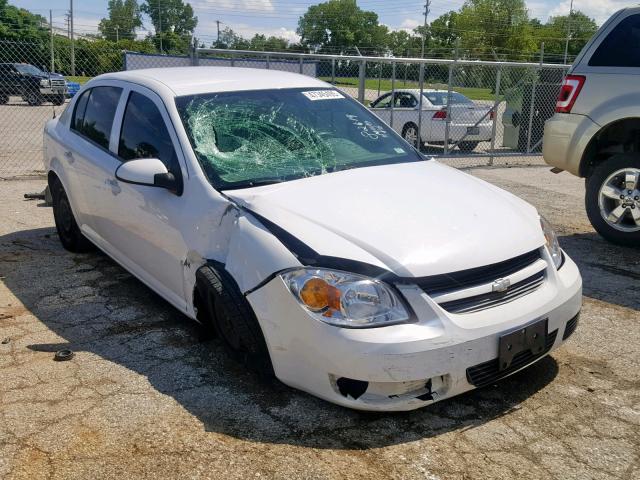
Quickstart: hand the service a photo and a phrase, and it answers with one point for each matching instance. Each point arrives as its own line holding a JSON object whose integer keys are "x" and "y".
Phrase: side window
{"x": 78, "y": 112}
{"x": 144, "y": 133}
{"x": 621, "y": 48}
{"x": 405, "y": 100}
{"x": 96, "y": 120}
{"x": 383, "y": 102}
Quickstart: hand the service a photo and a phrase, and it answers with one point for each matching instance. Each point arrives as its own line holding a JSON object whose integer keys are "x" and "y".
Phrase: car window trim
{"x": 168, "y": 123}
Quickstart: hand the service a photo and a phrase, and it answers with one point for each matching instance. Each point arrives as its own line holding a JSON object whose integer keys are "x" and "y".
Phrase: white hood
{"x": 415, "y": 219}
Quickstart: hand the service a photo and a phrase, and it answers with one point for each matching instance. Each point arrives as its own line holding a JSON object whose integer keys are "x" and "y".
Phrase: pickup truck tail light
{"x": 569, "y": 92}
{"x": 492, "y": 115}
{"x": 440, "y": 115}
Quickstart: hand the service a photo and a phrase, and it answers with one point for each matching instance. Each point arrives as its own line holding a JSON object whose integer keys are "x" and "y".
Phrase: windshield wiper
{"x": 253, "y": 183}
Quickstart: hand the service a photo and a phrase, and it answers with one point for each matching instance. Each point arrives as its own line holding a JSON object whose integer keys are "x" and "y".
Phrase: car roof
{"x": 193, "y": 80}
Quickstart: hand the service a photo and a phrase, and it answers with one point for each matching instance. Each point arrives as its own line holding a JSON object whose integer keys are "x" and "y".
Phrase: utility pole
{"x": 73, "y": 52}
{"x": 218, "y": 37}
{"x": 52, "y": 68}
{"x": 566, "y": 45}
{"x": 160, "y": 25}
{"x": 424, "y": 31}
{"x": 117, "y": 36}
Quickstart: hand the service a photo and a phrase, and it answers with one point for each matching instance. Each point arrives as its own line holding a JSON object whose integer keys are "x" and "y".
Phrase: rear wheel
{"x": 410, "y": 134}
{"x": 69, "y": 233}
{"x": 4, "y": 98}
{"x": 467, "y": 146}
{"x": 232, "y": 318}
{"x": 612, "y": 199}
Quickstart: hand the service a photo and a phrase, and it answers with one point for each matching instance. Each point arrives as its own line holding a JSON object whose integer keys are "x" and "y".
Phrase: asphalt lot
{"x": 148, "y": 396}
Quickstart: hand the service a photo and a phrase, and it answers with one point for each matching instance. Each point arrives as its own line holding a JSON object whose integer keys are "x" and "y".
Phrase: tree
{"x": 124, "y": 18}
{"x": 20, "y": 24}
{"x": 495, "y": 25}
{"x": 230, "y": 39}
{"x": 338, "y": 26}
{"x": 173, "y": 22}
{"x": 554, "y": 34}
{"x": 443, "y": 31}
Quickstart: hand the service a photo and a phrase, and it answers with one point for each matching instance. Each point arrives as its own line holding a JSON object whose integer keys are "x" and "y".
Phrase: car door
{"x": 145, "y": 221}
{"x": 87, "y": 158}
{"x": 382, "y": 107}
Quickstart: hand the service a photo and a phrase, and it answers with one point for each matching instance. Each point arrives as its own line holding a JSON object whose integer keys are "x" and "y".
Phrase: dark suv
{"x": 31, "y": 83}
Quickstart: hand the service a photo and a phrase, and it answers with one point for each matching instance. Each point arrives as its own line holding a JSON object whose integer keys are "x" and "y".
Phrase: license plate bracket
{"x": 473, "y": 130}
{"x": 530, "y": 337}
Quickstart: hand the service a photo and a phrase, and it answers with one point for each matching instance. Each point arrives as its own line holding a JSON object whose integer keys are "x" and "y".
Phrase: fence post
{"x": 233, "y": 60}
{"x": 379, "y": 76}
{"x": 421, "y": 81}
{"x": 447, "y": 119}
{"x": 333, "y": 71}
{"x": 533, "y": 99}
{"x": 361, "y": 80}
{"x": 393, "y": 91}
{"x": 496, "y": 102}
{"x": 301, "y": 65}
{"x": 268, "y": 62}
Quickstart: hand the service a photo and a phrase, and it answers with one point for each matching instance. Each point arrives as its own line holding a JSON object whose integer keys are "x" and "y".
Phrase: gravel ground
{"x": 148, "y": 396}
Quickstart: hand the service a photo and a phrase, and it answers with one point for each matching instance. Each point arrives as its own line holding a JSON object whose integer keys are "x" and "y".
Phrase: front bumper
{"x": 410, "y": 365}
{"x": 566, "y": 136}
{"x": 52, "y": 91}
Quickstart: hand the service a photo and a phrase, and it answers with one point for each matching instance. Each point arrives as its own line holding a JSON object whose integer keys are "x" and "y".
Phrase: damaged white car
{"x": 319, "y": 245}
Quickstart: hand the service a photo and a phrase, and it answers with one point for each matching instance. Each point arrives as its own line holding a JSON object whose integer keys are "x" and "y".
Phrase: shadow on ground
{"x": 97, "y": 307}
{"x": 610, "y": 273}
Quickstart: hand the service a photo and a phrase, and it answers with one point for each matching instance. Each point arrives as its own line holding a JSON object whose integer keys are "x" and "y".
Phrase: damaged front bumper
{"x": 407, "y": 366}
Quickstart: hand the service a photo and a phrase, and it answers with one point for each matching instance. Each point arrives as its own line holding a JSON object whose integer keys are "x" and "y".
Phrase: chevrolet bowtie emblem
{"x": 501, "y": 285}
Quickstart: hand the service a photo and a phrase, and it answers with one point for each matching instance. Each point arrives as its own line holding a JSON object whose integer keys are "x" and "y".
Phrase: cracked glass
{"x": 251, "y": 138}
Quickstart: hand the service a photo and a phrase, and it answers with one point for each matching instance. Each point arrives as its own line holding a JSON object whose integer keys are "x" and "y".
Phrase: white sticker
{"x": 323, "y": 95}
{"x": 399, "y": 150}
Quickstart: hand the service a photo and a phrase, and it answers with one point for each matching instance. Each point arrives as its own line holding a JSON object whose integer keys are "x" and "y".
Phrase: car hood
{"x": 415, "y": 219}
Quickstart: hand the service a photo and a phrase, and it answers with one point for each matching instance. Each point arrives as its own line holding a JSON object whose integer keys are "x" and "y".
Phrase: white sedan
{"x": 469, "y": 123}
{"x": 319, "y": 245}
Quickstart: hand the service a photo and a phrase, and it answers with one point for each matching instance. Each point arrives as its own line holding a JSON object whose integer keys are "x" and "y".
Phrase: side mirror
{"x": 150, "y": 172}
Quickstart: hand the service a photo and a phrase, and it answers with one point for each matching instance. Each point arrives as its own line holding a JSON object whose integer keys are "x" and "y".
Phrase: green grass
{"x": 80, "y": 79}
{"x": 473, "y": 93}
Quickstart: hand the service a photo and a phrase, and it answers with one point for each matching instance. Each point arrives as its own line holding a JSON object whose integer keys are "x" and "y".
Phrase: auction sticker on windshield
{"x": 323, "y": 95}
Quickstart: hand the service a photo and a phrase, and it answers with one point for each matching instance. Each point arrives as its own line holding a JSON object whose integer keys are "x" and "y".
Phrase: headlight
{"x": 552, "y": 242}
{"x": 44, "y": 82}
{"x": 345, "y": 299}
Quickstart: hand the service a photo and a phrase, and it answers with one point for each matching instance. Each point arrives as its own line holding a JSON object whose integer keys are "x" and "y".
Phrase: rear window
{"x": 621, "y": 48}
{"x": 440, "y": 98}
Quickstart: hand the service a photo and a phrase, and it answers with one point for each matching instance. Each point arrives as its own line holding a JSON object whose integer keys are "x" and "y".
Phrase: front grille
{"x": 489, "y": 372}
{"x": 437, "y": 284}
{"x": 57, "y": 83}
{"x": 571, "y": 327}
{"x": 493, "y": 299}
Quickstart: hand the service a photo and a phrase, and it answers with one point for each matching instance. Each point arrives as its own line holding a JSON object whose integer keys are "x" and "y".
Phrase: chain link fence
{"x": 466, "y": 112}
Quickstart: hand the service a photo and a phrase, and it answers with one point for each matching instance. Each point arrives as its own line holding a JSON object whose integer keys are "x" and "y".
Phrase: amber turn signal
{"x": 318, "y": 295}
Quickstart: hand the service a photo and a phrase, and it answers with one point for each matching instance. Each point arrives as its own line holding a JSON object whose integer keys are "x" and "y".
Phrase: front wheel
{"x": 410, "y": 134}
{"x": 612, "y": 199}
{"x": 4, "y": 98}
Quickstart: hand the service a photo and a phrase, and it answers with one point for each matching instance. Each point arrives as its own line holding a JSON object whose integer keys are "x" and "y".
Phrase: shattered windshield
{"x": 250, "y": 138}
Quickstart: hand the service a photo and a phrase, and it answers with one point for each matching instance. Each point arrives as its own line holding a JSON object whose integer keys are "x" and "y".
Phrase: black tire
{"x": 58, "y": 100}
{"x": 593, "y": 184}
{"x": 34, "y": 99}
{"x": 233, "y": 319}
{"x": 407, "y": 127}
{"x": 4, "y": 98}
{"x": 69, "y": 233}
{"x": 467, "y": 146}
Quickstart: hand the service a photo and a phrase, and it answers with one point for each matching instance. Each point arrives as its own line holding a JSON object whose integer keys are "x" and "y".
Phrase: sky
{"x": 280, "y": 17}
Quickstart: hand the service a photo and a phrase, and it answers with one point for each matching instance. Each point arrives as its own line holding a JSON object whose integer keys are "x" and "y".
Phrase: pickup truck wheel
{"x": 69, "y": 233}
{"x": 612, "y": 199}
{"x": 34, "y": 99}
{"x": 4, "y": 98}
{"x": 467, "y": 146}
{"x": 58, "y": 100}
{"x": 410, "y": 133}
{"x": 233, "y": 319}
